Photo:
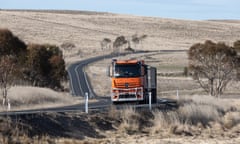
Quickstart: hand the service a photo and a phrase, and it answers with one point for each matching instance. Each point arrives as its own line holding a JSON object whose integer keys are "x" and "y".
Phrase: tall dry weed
{"x": 130, "y": 120}
{"x": 164, "y": 120}
{"x": 231, "y": 119}
{"x": 220, "y": 104}
{"x": 196, "y": 113}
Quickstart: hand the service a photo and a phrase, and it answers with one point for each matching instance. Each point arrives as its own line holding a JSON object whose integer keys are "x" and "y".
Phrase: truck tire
{"x": 154, "y": 96}
{"x": 153, "y": 99}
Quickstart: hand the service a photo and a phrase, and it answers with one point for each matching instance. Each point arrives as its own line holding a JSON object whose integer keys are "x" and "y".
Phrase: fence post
{"x": 86, "y": 102}
{"x": 150, "y": 101}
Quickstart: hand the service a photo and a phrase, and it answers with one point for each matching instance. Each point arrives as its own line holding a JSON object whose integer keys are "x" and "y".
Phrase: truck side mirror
{"x": 109, "y": 71}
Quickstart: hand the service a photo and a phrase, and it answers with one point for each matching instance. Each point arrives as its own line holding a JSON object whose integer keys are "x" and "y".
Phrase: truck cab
{"x": 132, "y": 80}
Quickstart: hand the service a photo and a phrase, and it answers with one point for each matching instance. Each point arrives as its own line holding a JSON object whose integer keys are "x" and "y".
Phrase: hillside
{"x": 87, "y": 29}
{"x": 198, "y": 119}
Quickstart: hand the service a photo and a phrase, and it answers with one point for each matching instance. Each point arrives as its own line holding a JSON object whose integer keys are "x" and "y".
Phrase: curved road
{"x": 79, "y": 84}
{"x": 79, "y": 81}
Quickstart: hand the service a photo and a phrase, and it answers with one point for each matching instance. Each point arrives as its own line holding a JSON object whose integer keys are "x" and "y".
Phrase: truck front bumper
{"x": 128, "y": 94}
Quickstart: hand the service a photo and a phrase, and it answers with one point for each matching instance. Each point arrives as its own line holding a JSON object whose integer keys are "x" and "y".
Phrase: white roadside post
{"x": 149, "y": 89}
{"x": 86, "y": 102}
{"x": 150, "y": 101}
{"x": 9, "y": 105}
{"x": 177, "y": 95}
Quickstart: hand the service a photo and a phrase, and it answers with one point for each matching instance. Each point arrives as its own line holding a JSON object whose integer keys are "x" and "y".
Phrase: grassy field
{"x": 199, "y": 118}
{"x": 86, "y": 31}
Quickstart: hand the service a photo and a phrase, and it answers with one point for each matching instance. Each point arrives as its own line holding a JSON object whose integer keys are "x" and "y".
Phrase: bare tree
{"x": 106, "y": 43}
{"x": 138, "y": 39}
{"x": 6, "y": 75}
{"x": 212, "y": 65}
{"x": 118, "y": 43}
{"x": 135, "y": 40}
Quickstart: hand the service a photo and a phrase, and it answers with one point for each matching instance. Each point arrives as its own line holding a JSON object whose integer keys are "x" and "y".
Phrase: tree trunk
{"x": 211, "y": 87}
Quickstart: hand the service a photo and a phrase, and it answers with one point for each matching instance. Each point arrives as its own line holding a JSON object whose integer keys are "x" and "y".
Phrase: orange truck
{"x": 132, "y": 80}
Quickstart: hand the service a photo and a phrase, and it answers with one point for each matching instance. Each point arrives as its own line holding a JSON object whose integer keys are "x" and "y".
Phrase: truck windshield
{"x": 130, "y": 70}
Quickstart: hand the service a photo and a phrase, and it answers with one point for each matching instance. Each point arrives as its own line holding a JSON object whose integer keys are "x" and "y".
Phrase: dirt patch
{"x": 76, "y": 126}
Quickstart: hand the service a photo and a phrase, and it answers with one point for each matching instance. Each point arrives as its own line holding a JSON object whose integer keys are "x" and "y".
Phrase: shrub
{"x": 212, "y": 65}
{"x": 46, "y": 66}
{"x": 10, "y": 44}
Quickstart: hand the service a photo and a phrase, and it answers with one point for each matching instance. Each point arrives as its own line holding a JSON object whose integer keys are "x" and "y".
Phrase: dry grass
{"x": 197, "y": 113}
{"x": 231, "y": 119}
{"x": 130, "y": 121}
{"x": 200, "y": 118}
{"x": 33, "y": 97}
{"x": 86, "y": 31}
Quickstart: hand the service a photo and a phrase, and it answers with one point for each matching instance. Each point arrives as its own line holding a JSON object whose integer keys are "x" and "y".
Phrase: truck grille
{"x": 127, "y": 96}
{"x": 130, "y": 85}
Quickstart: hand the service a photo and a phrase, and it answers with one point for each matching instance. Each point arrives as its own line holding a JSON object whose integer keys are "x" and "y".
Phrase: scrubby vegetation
{"x": 213, "y": 65}
{"x": 42, "y": 65}
{"x": 122, "y": 42}
{"x": 198, "y": 117}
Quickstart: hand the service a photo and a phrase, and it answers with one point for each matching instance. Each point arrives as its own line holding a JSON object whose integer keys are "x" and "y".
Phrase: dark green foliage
{"x": 212, "y": 65}
{"x": 236, "y": 45}
{"x": 7, "y": 69}
{"x": 10, "y": 44}
{"x": 45, "y": 66}
{"x": 58, "y": 71}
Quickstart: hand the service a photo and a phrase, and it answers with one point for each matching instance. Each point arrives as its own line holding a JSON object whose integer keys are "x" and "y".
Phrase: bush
{"x": 42, "y": 65}
{"x": 212, "y": 65}
{"x": 47, "y": 66}
{"x": 236, "y": 45}
{"x": 10, "y": 44}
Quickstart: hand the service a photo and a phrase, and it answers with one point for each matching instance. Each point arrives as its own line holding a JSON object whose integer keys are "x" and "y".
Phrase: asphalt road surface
{"x": 79, "y": 81}
{"x": 80, "y": 84}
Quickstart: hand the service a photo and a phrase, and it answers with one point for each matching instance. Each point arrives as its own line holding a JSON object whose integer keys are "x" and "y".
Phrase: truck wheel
{"x": 154, "y": 99}
{"x": 154, "y": 96}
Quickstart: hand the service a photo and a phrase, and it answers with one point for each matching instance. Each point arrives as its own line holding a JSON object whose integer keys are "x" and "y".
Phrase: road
{"x": 79, "y": 81}
{"x": 79, "y": 85}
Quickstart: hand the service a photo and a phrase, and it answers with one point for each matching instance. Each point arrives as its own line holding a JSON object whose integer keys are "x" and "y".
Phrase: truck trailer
{"x": 132, "y": 81}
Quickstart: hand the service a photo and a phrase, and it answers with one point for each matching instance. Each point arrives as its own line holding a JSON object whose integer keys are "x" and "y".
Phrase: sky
{"x": 178, "y": 9}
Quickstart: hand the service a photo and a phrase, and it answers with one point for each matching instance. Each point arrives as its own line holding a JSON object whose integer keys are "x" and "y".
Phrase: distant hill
{"x": 58, "y": 11}
{"x": 226, "y": 21}
{"x": 86, "y": 29}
